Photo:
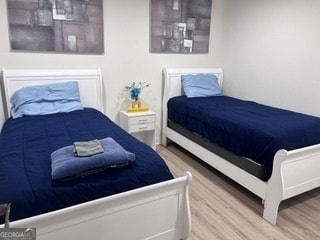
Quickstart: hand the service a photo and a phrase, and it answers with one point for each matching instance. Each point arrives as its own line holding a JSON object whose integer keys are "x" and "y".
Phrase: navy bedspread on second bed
{"x": 25, "y": 173}
{"x": 245, "y": 128}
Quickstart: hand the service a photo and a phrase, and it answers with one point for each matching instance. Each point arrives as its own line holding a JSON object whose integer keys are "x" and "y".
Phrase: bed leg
{"x": 164, "y": 141}
{"x": 270, "y": 212}
{"x": 272, "y": 201}
{"x": 274, "y": 193}
{"x": 5, "y": 211}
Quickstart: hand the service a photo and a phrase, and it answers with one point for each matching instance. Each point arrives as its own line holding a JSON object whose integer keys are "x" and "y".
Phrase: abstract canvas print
{"x": 180, "y": 26}
{"x": 69, "y": 26}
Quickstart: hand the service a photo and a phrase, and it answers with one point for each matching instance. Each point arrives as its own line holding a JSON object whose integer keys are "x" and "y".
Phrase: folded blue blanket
{"x": 64, "y": 164}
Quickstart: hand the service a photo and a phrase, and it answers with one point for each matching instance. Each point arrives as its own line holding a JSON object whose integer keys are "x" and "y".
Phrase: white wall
{"x": 271, "y": 52}
{"x": 126, "y": 58}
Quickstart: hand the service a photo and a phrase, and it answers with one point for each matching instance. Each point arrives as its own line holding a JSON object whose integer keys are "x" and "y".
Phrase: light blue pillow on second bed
{"x": 46, "y": 99}
{"x": 201, "y": 85}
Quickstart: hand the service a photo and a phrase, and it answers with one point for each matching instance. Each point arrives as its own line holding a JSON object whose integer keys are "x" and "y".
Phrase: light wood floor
{"x": 222, "y": 209}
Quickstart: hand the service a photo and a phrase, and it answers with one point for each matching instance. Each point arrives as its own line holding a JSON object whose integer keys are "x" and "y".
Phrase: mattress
{"x": 245, "y": 128}
{"x": 25, "y": 173}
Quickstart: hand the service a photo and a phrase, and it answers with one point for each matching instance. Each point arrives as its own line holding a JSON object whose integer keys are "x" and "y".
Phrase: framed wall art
{"x": 180, "y": 26}
{"x": 68, "y": 26}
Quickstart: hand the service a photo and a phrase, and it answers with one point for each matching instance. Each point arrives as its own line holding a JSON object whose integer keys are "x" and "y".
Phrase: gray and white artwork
{"x": 180, "y": 26}
{"x": 71, "y": 26}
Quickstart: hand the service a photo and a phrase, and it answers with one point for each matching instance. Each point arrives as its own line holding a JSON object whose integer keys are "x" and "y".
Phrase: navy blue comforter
{"x": 25, "y": 166}
{"x": 245, "y": 128}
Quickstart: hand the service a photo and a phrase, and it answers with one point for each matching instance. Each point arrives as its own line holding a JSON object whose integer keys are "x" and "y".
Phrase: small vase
{"x": 136, "y": 104}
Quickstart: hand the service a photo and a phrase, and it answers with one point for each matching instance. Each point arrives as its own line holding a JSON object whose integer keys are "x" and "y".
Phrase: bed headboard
{"x": 89, "y": 81}
{"x": 172, "y": 79}
{"x": 172, "y": 86}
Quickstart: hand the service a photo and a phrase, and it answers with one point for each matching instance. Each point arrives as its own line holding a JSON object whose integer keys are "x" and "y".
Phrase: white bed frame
{"x": 158, "y": 212}
{"x": 294, "y": 172}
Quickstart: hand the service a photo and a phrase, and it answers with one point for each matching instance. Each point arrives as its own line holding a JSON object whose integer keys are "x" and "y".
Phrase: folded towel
{"x": 64, "y": 164}
{"x": 87, "y": 149}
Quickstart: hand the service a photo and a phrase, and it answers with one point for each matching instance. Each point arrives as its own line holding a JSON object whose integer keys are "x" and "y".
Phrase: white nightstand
{"x": 141, "y": 125}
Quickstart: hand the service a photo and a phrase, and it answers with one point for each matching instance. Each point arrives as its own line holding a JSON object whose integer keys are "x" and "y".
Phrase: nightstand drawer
{"x": 141, "y": 127}
{"x": 142, "y": 119}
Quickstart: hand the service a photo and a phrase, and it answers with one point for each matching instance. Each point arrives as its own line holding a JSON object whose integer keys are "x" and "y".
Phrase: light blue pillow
{"x": 46, "y": 99}
{"x": 201, "y": 85}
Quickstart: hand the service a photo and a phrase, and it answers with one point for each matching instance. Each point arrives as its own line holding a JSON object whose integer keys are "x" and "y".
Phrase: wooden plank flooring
{"x": 222, "y": 210}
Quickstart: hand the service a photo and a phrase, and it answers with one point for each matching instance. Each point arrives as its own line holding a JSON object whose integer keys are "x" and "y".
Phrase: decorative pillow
{"x": 201, "y": 85}
{"x": 46, "y": 99}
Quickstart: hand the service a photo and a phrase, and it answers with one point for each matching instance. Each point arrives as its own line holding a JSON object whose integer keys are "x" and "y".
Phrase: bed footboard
{"x": 294, "y": 172}
{"x": 160, "y": 211}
